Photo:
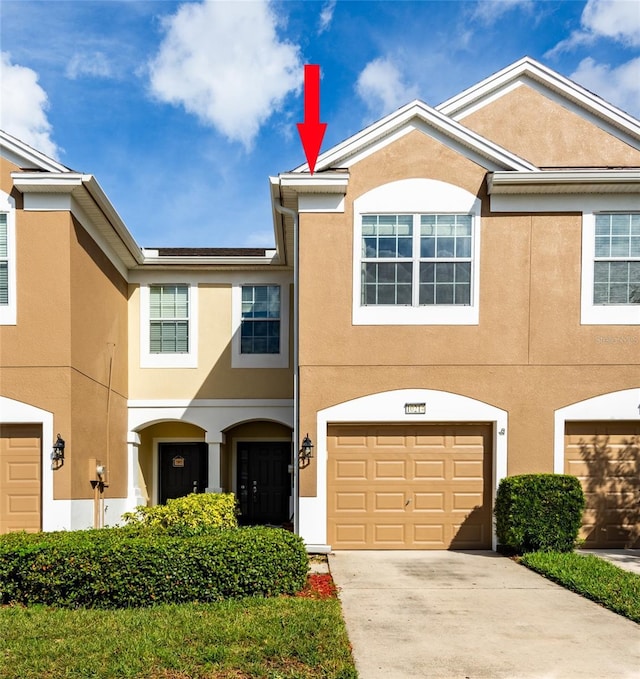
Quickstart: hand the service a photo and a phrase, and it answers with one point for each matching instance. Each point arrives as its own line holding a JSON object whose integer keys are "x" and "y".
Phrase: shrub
{"x": 116, "y": 568}
{"x": 190, "y": 515}
{"x": 539, "y": 512}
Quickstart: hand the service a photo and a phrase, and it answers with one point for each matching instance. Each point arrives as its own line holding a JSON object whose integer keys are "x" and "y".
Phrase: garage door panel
{"x": 20, "y": 477}
{"x": 605, "y": 456}
{"x": 417, "y": 496}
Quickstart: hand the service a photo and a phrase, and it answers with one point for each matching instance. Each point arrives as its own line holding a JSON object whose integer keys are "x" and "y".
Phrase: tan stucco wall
{"x": 547, "y": 134}
{"x": 528, "y": 355}
{"x": 71, "y": 306}
{"x": 214, "y": 377}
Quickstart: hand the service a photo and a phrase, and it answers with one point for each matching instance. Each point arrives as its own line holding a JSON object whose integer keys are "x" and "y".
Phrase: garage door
{"x": 605, "y": 456}
{"x": 409, "y": 487}
{"x": 20, "y": 477}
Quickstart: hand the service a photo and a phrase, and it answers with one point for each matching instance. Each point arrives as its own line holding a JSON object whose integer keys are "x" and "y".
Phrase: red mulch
{"x": 319, "y": 586}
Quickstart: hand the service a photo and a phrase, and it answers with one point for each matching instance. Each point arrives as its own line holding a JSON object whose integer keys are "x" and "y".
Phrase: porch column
{"x": 213, "y": 485}
{"x": 135, "y": 495}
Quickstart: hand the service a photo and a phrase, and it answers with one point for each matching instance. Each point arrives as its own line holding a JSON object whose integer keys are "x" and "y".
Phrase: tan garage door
{"x": 20, "y": 477}
{"x": 409, "y": 487}
{"x": 605, "y": 456}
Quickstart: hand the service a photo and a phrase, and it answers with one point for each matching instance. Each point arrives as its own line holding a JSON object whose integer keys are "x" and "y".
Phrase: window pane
{"x": 445, "y": 247}
{"x": 444, "y": 272}
{"x": 463, "y": 272}
{"x": 444, "y": 293}
{"x": 463, "y": 247}
{"x": 4, "y": 283}
{"x": 427, "y": 247}
{"x": 3, "y": 234}
{"x": 462, "y": 293}
{"x": 427, "y": 294}
{"x": 619, "y": 246}
{"x": 260, "y": 324}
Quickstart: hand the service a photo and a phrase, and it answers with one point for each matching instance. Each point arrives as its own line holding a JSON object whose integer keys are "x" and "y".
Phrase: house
{"x": 454, "y": 297}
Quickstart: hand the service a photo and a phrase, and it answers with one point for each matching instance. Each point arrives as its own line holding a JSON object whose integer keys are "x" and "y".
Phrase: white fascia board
{"x": 571, "y": 181}
{"x": 169, "y": 262}
{"x": 49, "y": 182}
{"x": 487, "y": 90}
{"x": 375, "y": 136}
{"x": 23, "y": 155}
{"x": 329, "y": 182}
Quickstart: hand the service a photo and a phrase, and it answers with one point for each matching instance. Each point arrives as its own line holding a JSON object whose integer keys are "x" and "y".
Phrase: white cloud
{"x": 489, "y": 11}
{"x": 94, "y": 65}
{"x": 381, "y": 87}
{"x": 620, "y": 85}
{"x": 615, "y": 19}
{"x": 326, "y": 16}
{"x": 23, "y": 107}
{"x": 225, "y": 64}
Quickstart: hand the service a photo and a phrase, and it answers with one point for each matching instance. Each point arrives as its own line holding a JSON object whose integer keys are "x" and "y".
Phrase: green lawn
{"x": 592, "y": 577}
{"x": 279, "y": 638}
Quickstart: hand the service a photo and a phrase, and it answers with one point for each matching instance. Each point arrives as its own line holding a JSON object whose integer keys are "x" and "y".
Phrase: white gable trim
{"x": 417, "y": 115}
{"x": 23, "y": 156}
{"x": 560, "y": 89}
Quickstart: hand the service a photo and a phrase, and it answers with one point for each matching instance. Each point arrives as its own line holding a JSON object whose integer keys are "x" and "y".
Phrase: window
{"x": 616, "y": 269}
{"x": 260, "y": 319}
{"x": 8, "y": 312}
{"x": 260, "y": 325}
{"x": 169, "y": 319}
{"x": 416, "y": 259}
{"x": 4, "y": 261}
{"x": 169, "y": 325}
{"x": 416, "y": 254}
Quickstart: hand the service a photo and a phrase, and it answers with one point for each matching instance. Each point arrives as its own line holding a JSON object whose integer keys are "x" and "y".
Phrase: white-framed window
{"x": 260, "y": 324}
{"x": 416, "y": 260}
{"x": 8, "y": 311}
{"x": 168, "y": 325}
{"x": 416, "y": 255}
{"x": 611, "y": 268}
{"x": 260, "y": 321}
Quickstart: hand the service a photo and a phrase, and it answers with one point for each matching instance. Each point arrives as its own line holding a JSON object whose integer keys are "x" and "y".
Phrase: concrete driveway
{"x": 473, "y": 615}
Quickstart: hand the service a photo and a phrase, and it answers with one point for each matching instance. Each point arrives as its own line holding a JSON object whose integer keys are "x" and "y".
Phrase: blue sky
{"x": 182, "y": 110}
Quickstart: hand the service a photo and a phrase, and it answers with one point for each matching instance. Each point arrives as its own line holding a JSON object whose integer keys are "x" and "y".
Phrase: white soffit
{"x": 569, "y": 181}
{"x": 527, "y": 71}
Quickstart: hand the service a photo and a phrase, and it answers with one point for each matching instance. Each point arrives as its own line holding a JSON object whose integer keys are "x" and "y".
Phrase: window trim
{"x": 416, "y": 196}
{"x": 9, "y": 312}
{"x": 168, "y": 360}
{"x": 600, "y": 314}
{"x": 279, "y": 360}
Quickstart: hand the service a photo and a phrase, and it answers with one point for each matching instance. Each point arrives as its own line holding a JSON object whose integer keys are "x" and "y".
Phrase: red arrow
{"x": 311, "y": 131}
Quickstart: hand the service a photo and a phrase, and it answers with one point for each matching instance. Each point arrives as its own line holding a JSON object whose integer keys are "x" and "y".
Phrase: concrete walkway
{"x": 473, "y": 615}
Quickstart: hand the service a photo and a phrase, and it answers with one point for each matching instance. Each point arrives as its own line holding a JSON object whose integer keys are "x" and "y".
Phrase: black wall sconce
{"x": 57, "y": 454}
{"x": 306, "y": 450}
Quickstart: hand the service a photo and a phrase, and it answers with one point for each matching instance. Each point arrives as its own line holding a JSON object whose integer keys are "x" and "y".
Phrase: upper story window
{"x": 616, "y": 270}
{"x": 610, "y": 265}
{"x": 169, "y": 319}
{"x": 8, "y": 313}
{"x": 260, "y": 320}
{"x": 169, "y": 325}
{"x": 4, "y": 261}
{"x": 260, "y": 326}
{"x": 416, "y": 255}
{"x": 416, "y": 259}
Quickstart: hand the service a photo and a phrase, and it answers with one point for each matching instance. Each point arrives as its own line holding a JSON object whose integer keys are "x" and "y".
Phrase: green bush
{"x": 592, "y": 577}
{"x": 119, "y": 568}
{"x": 190, "y": 515}
{"x": 538, "y": 512}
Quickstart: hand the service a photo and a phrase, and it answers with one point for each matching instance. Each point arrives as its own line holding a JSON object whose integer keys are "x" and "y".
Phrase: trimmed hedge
{"x": 118, "y": 568}
{"x": 538, "y": 512}
{"x": 193, "y": 514}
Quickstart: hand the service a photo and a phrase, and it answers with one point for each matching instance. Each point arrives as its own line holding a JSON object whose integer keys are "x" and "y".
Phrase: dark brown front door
{"x": 264, "y": 482}
{"x": 184, "y": 469}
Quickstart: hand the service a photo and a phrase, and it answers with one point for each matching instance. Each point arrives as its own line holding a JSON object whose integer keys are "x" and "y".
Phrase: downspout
{"x": 296, "y": 369}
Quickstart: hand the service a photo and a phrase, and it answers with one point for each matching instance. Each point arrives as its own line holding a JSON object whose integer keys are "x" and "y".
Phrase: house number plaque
{"x": 178, "y": 461}
{"x": 415, "y": 408}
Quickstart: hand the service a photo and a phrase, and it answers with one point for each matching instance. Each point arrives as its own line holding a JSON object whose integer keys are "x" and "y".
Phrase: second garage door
{"x": 605, "y": 456}
{"x": 409, "y": 487}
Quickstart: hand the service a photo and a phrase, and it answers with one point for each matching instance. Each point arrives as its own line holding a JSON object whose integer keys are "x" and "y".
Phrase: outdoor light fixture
{"x": 306, "y": 450}
{"x": 57, "y": 454}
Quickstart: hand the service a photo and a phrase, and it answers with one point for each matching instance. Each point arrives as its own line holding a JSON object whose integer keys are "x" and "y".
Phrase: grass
{"x": 592, "y": 577}
{"x": 279, "y": 638}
